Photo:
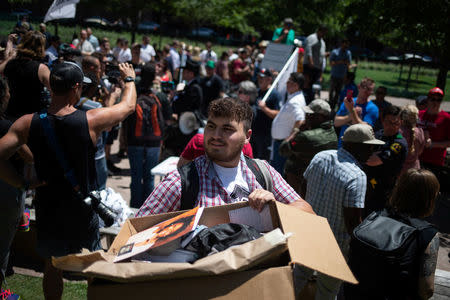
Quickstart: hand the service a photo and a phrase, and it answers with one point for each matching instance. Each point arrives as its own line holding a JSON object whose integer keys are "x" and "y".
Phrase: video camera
{"x": 93, "y": 200}
{"x": 112, "y": 73}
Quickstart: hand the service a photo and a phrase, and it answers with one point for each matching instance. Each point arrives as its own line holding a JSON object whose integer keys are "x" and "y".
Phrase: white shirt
{"x": 147, "y": 52}
{"x": 204, "y": 56}
{"x": 316, "y": 49}
{"x": 233, "y": 181}
{"x": 175, "y": 58}
{"x": 290, "y": 113}
{"x": 85, "y": 47}
{"x": 124, "y": 55}
{"x": 233, "y": 57}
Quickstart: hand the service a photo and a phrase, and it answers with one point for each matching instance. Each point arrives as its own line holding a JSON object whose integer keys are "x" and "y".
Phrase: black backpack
{"x": 190, "y": 180}
{"x": 384, "y": 256}
{"x": 149, "y": 120}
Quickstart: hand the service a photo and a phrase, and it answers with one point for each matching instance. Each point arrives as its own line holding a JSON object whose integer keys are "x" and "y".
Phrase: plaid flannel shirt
{"x": 334, "y": 181}
{"x": 166, "y": 196}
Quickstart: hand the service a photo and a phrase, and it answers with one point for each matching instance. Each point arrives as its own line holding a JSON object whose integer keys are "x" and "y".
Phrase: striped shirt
{"x": 166, "y": 196}
{"x": 334, "y": 181}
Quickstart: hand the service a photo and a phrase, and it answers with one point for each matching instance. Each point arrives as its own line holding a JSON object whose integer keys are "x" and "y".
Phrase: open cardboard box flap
{"x": 312, "y": 245}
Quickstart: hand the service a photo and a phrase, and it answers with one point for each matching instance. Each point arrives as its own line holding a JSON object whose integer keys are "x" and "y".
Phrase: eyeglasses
{"x": 242, "y": 92}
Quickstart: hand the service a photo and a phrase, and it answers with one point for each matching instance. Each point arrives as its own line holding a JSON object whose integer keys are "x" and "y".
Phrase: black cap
{"x": 265, "y": 73}
{"x": 65, "y": 76}
{"x": 192, "y": 65}
{"x": 420, "y": 100}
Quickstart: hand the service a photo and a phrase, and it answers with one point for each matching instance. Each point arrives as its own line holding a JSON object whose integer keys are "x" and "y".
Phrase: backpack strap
{"x": 426, "y": 232}
{"x": 189, "y": 185}
{"x": 261, "y": 172}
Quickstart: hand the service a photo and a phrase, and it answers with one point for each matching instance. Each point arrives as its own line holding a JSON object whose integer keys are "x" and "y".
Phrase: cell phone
{"x": 349, "y": 94}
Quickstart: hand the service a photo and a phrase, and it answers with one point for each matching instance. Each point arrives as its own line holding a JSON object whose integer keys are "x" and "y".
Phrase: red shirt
{"x": 238, "y": 64}
{"x": 195, "y": 148}
{"x": 439, "y": 128}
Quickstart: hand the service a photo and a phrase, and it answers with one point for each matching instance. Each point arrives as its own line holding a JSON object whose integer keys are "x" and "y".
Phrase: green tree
{"x": 411, "y": 25}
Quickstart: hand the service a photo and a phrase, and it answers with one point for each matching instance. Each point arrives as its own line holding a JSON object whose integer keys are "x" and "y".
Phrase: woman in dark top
{"x": 27, "y": 76}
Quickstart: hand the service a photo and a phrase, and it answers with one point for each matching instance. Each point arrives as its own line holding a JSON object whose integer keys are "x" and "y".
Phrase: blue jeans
{"x": 142, "y": 160}
{"x": 277, "y": 161}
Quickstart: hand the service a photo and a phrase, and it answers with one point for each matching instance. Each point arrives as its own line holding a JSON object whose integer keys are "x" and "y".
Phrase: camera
{"x": 93, "y": 200}
{"x": 112, "y": 72}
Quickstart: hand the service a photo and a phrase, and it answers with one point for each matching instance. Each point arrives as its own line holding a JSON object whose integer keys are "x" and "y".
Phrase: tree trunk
{"x": 409, "y": 76}
{"x": 442, "y": 77}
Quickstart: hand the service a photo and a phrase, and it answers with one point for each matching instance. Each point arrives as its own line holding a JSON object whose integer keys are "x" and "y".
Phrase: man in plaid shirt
{"x": 336, "y": 189}
{"x": 224, "y": 176}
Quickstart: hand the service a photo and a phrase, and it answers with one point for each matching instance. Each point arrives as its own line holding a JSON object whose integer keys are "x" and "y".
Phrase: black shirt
{"x": 189, "y": 99}
{"x": 381, "y": 179}
{"x": 262, "y": 124}
{"x": 211, "y": 86}
{"x": 25, "y": 88}
{"x": 59, "y": 214}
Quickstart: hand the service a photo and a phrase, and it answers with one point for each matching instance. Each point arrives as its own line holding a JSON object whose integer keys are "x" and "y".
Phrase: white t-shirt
{"x": 205, "y": 56}
{"x": 147, "y": 52}
{"x": 290, "y": 113}
{"x": 124, "y": 55}
{"x": 175, "y": 58}
{"x": 233, "y": 182}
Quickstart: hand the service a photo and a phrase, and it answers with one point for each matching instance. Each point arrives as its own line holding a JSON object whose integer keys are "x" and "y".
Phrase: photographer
{"x": 64, "y": 223}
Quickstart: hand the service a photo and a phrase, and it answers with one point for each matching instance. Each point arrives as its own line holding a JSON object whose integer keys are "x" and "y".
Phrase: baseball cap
{"x": 421, "y": 100}
{"x": 265, "y": 73}
{"x": 66, "y": 75}
{"x": 318, "y": 106}
{"x": 436, "y": 90}
{"x": 361, "y": 133}
{"x": 210, "y": 64}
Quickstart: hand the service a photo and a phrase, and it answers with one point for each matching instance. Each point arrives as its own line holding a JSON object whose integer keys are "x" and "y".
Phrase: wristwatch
{"x": 129, "y": 79}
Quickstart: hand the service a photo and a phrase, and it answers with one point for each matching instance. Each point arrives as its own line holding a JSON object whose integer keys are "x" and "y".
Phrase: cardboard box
{"x": 262, "y": 268}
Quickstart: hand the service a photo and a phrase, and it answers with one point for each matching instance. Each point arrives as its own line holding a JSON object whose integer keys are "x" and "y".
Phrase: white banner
{"x": 61, "y": 9}
{"x": 290, "y": 67}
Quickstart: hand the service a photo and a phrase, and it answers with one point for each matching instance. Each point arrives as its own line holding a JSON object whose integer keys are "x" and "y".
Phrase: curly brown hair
{"x": 32, "y": 46}
{"x": 234, "y": 109}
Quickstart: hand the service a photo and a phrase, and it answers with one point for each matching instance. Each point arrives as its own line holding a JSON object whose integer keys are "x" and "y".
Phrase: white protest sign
{"x": 61, "y": 9}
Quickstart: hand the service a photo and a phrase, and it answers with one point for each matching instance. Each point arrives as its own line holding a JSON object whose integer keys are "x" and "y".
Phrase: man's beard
{"x": 220, "y": 156}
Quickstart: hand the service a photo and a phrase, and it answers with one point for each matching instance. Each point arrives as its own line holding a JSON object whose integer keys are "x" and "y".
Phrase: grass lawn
{"x": 388, "y": 75}
{"x": 30, "y": 288}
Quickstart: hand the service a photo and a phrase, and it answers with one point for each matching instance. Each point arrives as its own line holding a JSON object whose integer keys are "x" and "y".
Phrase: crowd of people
{"x": 344, "y": 158}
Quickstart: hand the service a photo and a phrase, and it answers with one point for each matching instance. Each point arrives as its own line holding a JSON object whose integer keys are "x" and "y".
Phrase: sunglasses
{"x": 435, "y": 99}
